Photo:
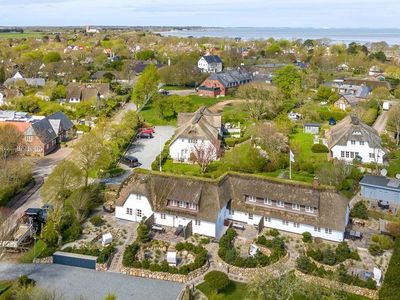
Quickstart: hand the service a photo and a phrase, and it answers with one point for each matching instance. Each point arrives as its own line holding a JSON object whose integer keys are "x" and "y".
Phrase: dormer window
{"x": 309, "y": 209}
{"x": 173, "y": 203}
{"x": 280, "y": 204}
{"x": 356, "y": 133}
{"x": 252, "y": 198}
{"x": 267, "y": 201}
{"x": 182, "y": 204}
{"x": 296, "y": 206}
{"x": 193, "y": 206}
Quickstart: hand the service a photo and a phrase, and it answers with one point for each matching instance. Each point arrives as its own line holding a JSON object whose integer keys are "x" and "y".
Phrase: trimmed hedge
{"x": 391, "y": 285}
{"x": 333, "y": 257}
{"x": 360, "y": 211}
{"x": 217, "y": 280}
{"x": 229, "y": 254}
{"x": 319, "y": 148}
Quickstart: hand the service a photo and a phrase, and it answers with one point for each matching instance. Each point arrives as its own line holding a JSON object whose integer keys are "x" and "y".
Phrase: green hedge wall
{"x": 391, "y": 284}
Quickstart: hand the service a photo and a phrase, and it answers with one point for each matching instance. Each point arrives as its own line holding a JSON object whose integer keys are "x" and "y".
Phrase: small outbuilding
{"x": 171, "y": 258}
{"x": 106, "y": 239}
{"x": 312, "y": 128}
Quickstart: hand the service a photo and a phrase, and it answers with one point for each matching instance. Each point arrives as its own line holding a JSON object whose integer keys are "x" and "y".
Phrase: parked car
{"x": 144, "y": 135}
{"x": 147, "y": 130}
{"x": 163, "y": 92}
{"x": 130, "y": 161}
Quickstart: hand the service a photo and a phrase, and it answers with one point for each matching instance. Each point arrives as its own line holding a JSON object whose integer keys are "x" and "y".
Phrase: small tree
{"x": 360, "y": 211}
{"x": 143, "y": 234}
{"x": 307, "y": 237}
{"x": 394, "y": 122}
{"x": 146, "y": 86}
{"x": 217, "y": 280}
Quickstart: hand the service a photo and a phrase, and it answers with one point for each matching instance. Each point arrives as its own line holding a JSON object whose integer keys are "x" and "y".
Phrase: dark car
{"x": 130, "y": 161}
{"x": 145, "y": 135}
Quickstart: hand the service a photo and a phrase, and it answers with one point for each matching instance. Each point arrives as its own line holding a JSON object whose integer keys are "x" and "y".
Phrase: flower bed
{"x": 307, "y": 266}
{"x": 331, "y": 257}
{"x": 199, "y": 252}
{"x": 230, "y": 255}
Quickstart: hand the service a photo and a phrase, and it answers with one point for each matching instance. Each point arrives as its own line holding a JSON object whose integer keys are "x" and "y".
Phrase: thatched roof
{"x": 351, "y": 128}
{"x": 212, "y": 195}
{"x": 202, "y": 124}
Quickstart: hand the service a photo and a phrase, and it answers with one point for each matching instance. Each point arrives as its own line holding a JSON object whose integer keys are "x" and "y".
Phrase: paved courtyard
{"x": 78, "y": 283}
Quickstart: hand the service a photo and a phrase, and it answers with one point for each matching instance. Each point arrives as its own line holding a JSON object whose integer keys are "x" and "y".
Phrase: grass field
{"x": 303, "y": 142}
{"x": 28, "y": 257}
{"x": 17, "y": 35}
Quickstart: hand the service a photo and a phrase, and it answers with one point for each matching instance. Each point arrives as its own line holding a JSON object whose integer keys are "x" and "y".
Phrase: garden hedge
{"x": 391, "y": 284}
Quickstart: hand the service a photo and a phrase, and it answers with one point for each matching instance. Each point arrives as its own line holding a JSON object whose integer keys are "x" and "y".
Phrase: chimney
{"x": 316, "y": 183}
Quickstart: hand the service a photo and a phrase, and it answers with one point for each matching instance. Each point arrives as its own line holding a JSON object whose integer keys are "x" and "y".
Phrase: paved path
{"x": 77, "y": 283}
{"x": 381, "y": 121}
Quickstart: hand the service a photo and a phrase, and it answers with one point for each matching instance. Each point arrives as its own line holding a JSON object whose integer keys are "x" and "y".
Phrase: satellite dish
{"x": 398, "y": 176}
{"x": 384, "y": 172}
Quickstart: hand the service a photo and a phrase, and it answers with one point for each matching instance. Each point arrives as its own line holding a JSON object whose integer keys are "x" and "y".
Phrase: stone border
{"x": 249, "y": 272}
{"x": 332, "y": 284}
{"x": 164, "y": 275}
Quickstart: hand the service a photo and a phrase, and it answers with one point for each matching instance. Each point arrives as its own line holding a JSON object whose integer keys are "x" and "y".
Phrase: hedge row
{"x": 391, "y": 285}
{"x": 103, "y": 255}
{"x": 330, "y": 257}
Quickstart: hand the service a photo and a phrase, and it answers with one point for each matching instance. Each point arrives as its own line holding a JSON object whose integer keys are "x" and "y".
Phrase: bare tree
{"x": 205, "y": 152}
{"x": 10, "y": 139}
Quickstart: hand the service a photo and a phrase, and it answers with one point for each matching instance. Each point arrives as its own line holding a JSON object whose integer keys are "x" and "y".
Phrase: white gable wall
{"x": 181, "y": 149}
{"x": 363, "y": 150}
{"x": 134, "y": 209}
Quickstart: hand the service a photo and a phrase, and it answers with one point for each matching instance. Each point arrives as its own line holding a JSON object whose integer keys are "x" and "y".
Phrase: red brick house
{"x": 218, "y": 84}
{"x": 39, "y": 137}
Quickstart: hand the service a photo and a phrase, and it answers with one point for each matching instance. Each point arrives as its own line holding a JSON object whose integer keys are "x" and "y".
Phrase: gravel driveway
{"x": 146, "y": 150}
{"x": 78, "y": 283}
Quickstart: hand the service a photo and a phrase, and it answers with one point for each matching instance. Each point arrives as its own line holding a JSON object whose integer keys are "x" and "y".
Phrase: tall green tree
{"x": 288, "y": 81}
{"x": 146, "y": 86}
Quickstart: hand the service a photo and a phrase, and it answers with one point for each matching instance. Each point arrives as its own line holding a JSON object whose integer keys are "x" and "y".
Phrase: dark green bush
{"x": 273, "y": 232}
{"x": 217, "y": 280}
{"x": 328, "y": 257}
{"x": 319, "y": 148}
{"x": 360, "y": 211}
{"x": 307, "y": 237}
{"x": 130, "y": 252}
{"x": 97, "y": 220}
{"x": 375, "y": 249}
{"x": 143, "y": 234}
{"x": 25, "y": 281}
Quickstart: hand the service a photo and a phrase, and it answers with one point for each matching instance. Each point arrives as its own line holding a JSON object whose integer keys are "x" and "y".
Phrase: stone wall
{"x": 45, "y": 260}
{"x": 248, "y": 273}
{"x": 165, "y": 276}
{"x": 331, "y": 284}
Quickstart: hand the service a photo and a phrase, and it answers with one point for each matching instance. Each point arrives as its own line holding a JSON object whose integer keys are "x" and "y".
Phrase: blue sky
{"x": 263, "y": 13}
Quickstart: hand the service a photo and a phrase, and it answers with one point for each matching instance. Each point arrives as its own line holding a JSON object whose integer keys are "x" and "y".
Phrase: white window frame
{"x": 173, "y": 203}
{"x": 316, "y": 228}
{"x": 138, "y": 197}
{"x": 197, "y": 222}
{"x": 182, "y": 204}
{"x": 129, "y": 211}
{"x": 139, "y": 213}
{"x": 296, "y": 225}
{"x": 252, "y": 198}
{"x": 295, "y": 206}
{"x": 328, "y": 231}
{"x": 267, "y": 201}
{"x": 280, "y": 203}
{"x": 251, "y": 216}
{"x": 268, "y": 219}
{"x": 28, "y": 138}
{"x": 285, "y": 223}
{"x": 193, "y": 206}
{"x": 163, "y": 216}
{"x": 309, "y": 209}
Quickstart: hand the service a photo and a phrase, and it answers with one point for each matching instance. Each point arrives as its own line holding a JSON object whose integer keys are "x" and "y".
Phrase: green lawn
{"x": 176, "y": 88}
{"x": 16, "y": 35}
{"x": 394, "y": 165}
{"x": 237, "y": 291}
{"x": 4, "y": 286}
{"x": 151, "y": 116}
{"x": 303, "y": 142}
{"x": 234, "y": 291}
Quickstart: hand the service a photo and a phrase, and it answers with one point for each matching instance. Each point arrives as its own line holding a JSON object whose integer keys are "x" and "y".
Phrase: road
{"x": 78, "y": 283}
{"x": 42, "y": 168}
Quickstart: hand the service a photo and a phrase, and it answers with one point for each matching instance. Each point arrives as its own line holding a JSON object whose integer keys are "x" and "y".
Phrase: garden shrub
{"x": 103, "y": 255}
{"x": 391, "y": 283}
{"x": 97, "y": 220}
{"x": 273, "y": 232}
{"x": 319, "y": 148}
{"x": 360, "y": 211}
{"x": 130, "y": 252}
{"x": 217, "y": 280}
{"x": 375, "y": 249}
{"x": 328, "y": 257}
{"x": 307, "y": 237}
{"x": 143, "y": 234}
{"x": 384, "y": 241}
{"x": 25, "y": 281}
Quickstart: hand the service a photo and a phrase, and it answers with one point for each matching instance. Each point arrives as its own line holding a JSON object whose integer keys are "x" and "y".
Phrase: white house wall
{"x": 181, "y": 149}
{"x": 336, "y": 236}
{"x": 135, "y": 204}
{"x": 363, "y": 151}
